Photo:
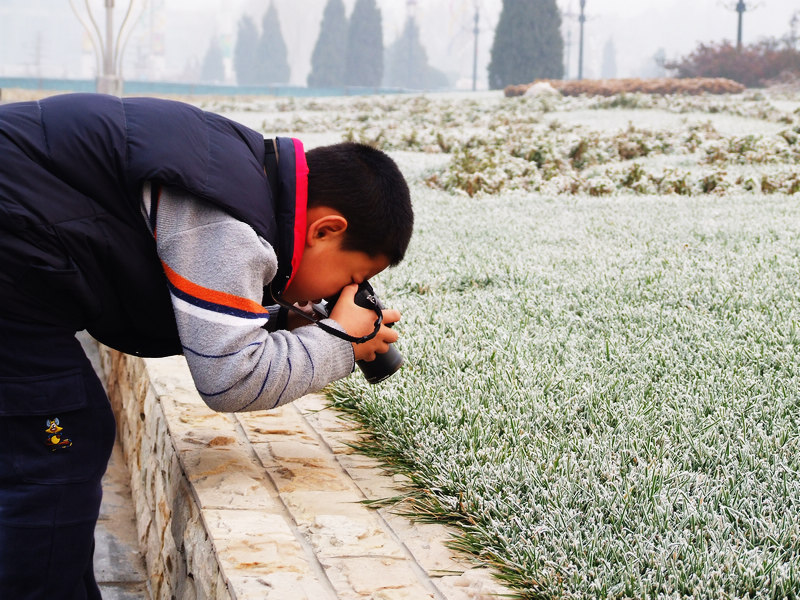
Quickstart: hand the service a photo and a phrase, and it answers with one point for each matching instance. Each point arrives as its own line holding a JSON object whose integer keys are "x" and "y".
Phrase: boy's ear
{"x": 327, "y": 227}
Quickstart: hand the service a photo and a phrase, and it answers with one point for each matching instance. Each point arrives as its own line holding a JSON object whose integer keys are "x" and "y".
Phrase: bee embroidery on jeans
{"x": 54, "y": 437}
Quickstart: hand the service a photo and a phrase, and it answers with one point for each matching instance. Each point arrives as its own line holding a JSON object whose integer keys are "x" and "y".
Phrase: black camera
{"x": 385, "y": 364}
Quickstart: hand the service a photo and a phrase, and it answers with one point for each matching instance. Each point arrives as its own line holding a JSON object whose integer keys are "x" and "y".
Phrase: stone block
{"x": 295, "y": 466}
{"x": 152, "y": 556}
{"x": 281, "y": 586}
{"x": 219, "y": 589}
{"x": 250, "y": 543}
{"x": 366, "y": 577}
{"x": 167, "y": 487}
{"x": 227, "y": 478}
{"x": 340, "y": 439}
{"x": 306, "y": 506}
{"x": 475, "y": 584}
{"x": 191, "y": 433}
{"x": 173, "y": 560}
{"x": 186, "y": 589}
{"x": 266, "y": 426}
{"x": 144, "y": 515}
{"x": 425, "y": 541}
{"x": 296, "y": 451}
{"x": 352, "y": 535}
{"x": 170, "y": 375}
{"x": 201, "y": 558}
{"x": 291, "y": 478}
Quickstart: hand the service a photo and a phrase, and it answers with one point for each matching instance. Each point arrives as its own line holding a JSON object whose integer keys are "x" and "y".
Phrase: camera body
{"x": 385, "y": 364}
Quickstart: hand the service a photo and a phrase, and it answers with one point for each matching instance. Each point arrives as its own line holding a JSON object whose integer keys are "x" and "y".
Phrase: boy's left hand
{"x": 358, "y": 321}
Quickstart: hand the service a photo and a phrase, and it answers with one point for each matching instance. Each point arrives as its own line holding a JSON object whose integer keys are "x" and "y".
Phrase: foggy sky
{"x": 638, "y": 29}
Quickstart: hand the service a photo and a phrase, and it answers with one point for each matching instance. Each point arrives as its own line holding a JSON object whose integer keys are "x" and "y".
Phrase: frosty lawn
{"x": 603, "y": 392}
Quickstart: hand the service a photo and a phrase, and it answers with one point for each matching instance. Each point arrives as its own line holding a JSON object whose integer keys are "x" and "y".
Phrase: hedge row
{"x": 610, "y": 87}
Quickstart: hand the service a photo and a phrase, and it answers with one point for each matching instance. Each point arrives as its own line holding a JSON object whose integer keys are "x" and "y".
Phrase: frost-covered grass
{"x": 601, "y": 391}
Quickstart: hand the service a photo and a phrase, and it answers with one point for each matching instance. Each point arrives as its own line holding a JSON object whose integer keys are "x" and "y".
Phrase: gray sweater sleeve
{"x": 217, "y": 268}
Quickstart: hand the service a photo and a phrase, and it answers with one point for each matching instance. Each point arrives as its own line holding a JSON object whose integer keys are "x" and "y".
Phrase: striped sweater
{"x": 217, "y": 268}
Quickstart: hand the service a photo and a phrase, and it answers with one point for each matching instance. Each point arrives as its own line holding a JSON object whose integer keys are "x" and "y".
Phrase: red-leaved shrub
{"x": 754, "y": 65}
{"x": 611, "y": 87}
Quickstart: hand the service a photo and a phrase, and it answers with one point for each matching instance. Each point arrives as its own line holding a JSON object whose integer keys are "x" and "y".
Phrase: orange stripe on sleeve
{"x": 210, "y": 295}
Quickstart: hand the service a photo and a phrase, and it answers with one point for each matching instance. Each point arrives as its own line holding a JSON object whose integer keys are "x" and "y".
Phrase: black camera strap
{"x": 327, "y": 328}
{"x": 271, "y": 167}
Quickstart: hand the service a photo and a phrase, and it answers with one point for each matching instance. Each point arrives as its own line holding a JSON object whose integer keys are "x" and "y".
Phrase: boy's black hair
{"x": 367, "y": 188}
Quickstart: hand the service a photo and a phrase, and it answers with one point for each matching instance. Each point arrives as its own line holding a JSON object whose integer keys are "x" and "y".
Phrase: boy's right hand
{"x": 358, "y": 322}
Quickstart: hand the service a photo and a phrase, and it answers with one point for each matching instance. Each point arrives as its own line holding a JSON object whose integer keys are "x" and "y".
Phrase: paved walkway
{"x": 118, "y": 564}
{"x": 282, "y": 496}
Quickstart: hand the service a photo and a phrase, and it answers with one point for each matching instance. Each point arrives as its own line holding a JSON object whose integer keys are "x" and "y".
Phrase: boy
{"x": 162, "y": 229}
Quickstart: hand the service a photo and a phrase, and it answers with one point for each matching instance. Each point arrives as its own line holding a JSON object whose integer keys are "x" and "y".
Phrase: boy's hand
{"x": 293, "y": 320}
{"x": 358, "y": 321}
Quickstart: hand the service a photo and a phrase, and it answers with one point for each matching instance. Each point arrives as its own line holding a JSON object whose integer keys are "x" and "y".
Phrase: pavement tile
{"x": 291, "y": 478}
{"x": 475, "y": 584}
{"x": 117, "y": 559}
{"x": 283, "y": 423}
{"x": 305, "y": 506}
{"x": 368, "y": 576}
{"x": 226, "y": 477}
{"x": 252, "y": 543}
{"x": 124, "y": 591}
{"x": 281, "y": 586}
{"x": 347, "y": 535}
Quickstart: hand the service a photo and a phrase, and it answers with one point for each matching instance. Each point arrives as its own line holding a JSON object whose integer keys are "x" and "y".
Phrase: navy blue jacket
{"x": 76, "y": 250}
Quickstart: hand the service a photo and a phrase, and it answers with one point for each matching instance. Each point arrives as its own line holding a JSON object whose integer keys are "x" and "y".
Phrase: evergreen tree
{"x": 213, "y": 70}
{"x": 407, "y": 63}
{"x": 328, "y": 58}
{"x": 245, "y": 52}
{"x": 527, "y": 43}
{"x": 272, "y": 63}
{"x": 609, "y": 70}
{"x": 364, "y": 58}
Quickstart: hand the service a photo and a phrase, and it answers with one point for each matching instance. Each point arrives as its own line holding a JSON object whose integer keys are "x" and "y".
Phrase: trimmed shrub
{"x": 213, "y": 70}
{"x": 328, "y": 59}
{"x": 407, "y": 63}
{"x": 612, "y": 87}
{"x": 527, "y": 43}
{"x": 245, "y": 53}
{"x": 364, "y": 62}
{"x": 273, "y": 64}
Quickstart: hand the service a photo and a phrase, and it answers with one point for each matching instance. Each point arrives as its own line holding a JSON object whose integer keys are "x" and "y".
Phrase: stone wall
{"x": 179, "y": 554}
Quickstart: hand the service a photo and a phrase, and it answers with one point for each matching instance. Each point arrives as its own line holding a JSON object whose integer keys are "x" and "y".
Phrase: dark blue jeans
{"x": 56, "y": 435}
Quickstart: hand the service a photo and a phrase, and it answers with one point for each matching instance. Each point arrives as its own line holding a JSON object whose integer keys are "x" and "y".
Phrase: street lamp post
{"x": 109, "y": 47}
{"x": 581, "y": 20}
{"x": 109, "y": 82}
{"x": 740, "y": 8}
{"x": 475, "y": 31}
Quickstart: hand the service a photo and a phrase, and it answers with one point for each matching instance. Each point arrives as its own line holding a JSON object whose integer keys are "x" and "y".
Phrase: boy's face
{"x": 325, "y": 267}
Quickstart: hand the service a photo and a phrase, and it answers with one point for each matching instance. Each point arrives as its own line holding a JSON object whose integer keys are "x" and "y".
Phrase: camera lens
{"x": 383, "y": 367}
